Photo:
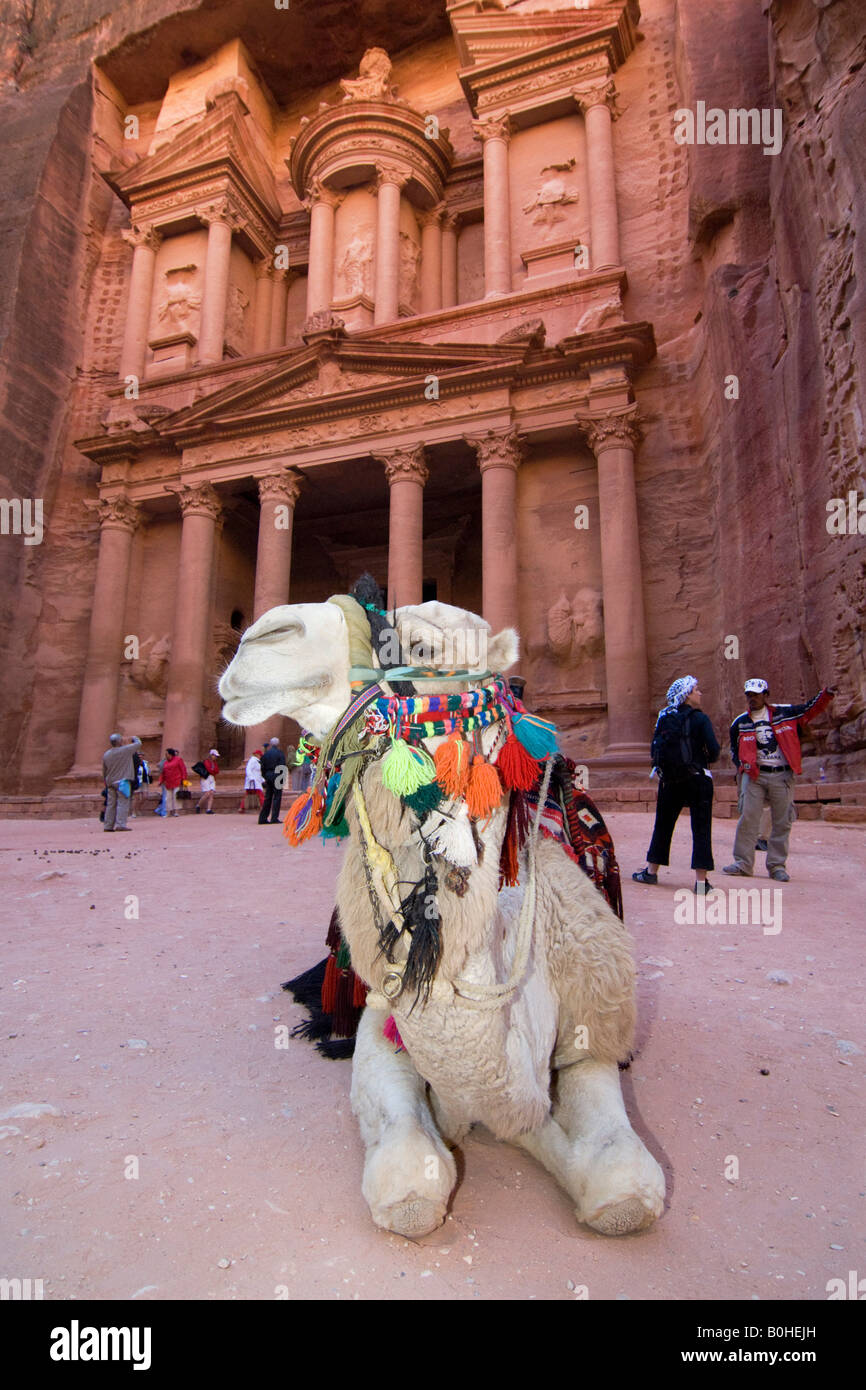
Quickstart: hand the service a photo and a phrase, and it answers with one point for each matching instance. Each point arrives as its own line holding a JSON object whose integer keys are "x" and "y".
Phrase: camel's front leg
{"x": 594, "y": 1153}
{"x": 408, "y": 1171}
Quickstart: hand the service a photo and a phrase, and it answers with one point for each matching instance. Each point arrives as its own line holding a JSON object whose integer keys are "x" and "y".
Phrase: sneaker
{"x": 645, "y": 877}
{"x": 109, "y": 829}
{"x": 735, "y": 869}
{"x": 780, "y": 876}
{"x": 761, "y": 845}
{"x": 197, "y": 809}
{"x": 121, "y": 828}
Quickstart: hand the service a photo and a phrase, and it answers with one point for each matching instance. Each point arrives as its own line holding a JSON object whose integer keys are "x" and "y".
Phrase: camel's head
{"x": 296, "y": 659}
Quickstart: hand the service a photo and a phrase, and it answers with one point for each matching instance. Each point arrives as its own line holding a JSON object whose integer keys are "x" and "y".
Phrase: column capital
{"x": 493, "y": 128}
{"x": 390, "y": 173}
{"x": 601, "y": 92}
{"x": 221, "y": 210}
{"x": 319, "y": 192}
{"x": 434, "y": 217}
{"x": 404, "y": 465}
{"x": 265, "y": 268}
{"x": 197, "y": 499}
{"x": 136, "y": 236}
{"x": 116, "y": 513}
{"x": 451, "y": 220}
{"x": 280, "y": 487}
{"x": 498, "y": 450}
{"x": 616, "y": 430}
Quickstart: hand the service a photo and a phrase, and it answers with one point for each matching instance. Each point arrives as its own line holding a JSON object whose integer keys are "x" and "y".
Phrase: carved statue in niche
{"x": 354, "y": 268}
{"x": 178, "y": 301}
{"x": 575, "y": 629}
{"x": 373, "y": 80}
{"x": 552, "y": 196}
{"x": 150, "y": 671}
{"x": 410, "y": 257}
{"x": 236, "y": 308}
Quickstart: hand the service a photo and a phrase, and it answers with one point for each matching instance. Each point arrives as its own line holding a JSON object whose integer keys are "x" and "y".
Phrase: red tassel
{"x": 329, "y": 986}
{"x": 508, "y": 864}
{"x": 518, "y": 769}
{"x": 359, "y": 993}
{"x": 390, "y": 1032}
{"x": 484, "y": 789}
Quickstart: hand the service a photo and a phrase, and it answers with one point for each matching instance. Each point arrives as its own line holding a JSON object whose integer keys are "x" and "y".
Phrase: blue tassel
{"x": 537, "y": 735}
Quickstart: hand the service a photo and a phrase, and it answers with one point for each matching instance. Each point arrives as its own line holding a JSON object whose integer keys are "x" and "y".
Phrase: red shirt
{"x": 173, "y": 773}
{"x": 212, "y": 766}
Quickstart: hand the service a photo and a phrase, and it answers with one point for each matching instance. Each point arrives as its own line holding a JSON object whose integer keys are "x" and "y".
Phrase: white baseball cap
{"x": 756, "y": 686}
{"x": 214, "y": 753}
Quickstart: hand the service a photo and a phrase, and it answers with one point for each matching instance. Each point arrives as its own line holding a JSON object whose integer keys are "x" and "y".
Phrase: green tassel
{"x": 338, "y": 830}
{"x": 424, "y": 800}
{"x": 405, "y": 769}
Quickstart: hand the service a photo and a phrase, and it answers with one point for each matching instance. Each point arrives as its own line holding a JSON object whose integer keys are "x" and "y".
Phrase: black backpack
{"x": 671, "y": 749}
{"x": 200, "y": 769}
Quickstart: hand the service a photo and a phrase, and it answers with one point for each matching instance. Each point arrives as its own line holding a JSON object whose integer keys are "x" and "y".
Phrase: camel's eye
{"x": 278, "y": 634}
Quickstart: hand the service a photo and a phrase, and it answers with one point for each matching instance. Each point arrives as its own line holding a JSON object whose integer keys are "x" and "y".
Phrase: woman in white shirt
{"x": 253, "y": 780}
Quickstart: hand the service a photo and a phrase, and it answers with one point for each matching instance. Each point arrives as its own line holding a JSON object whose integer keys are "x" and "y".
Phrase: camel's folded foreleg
{"x": 408, "y": 1171}
{"x": 591, "y": 1149}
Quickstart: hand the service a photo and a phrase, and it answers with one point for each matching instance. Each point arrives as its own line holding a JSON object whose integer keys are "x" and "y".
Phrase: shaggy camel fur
{"x": 539, "y": 1066}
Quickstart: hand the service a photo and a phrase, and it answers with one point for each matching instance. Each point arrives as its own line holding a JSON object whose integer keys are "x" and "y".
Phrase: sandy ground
{"x": 146, "y": 1045}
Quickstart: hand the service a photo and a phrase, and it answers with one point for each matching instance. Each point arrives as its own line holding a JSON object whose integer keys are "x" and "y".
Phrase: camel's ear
{"x": 503, "y": 650}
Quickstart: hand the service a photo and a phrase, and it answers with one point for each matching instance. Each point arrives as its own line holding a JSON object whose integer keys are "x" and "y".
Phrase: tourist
{"x": 253, "y": 780}
{"x": 172, "y": 778}
{"x": 765, "y": 749}
{"x": 142, "y": 780}
{"x": 118, "y": 771}
{"x": 683, "y": 746}
{"x": 208, "y": 771}
{"x": 276, "y": 774}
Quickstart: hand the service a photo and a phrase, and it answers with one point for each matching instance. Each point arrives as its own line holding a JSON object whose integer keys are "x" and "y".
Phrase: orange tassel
{"x": 452, "y": 765}
{"x": 359, "y": 994}
{"x": 484, "y": 789}
{"x": 518, "y": 769}
{"x": 304, "y": 817}
{"x": 329, "y": 986}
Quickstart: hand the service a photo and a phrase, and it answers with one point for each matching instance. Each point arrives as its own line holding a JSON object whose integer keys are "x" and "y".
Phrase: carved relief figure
{"x": 373, "y": 82}
{"x": 410, "y": 257}
{"x": 608, "y": 310}
{"x": 178, "y": 302}
{"x": 236, "y": 331}
{"x": 551, "y": 197}
{"x": 354, "y": 268}
{"x": 575, "y": 629}
{"x": 150, "y": 672}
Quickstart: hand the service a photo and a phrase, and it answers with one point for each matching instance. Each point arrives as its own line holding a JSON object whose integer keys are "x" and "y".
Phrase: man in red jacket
{"x": 765, "y": 748}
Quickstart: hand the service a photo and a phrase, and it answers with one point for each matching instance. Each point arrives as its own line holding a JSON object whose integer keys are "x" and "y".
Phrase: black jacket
{"x": 705, "y": 745}
{"x": 272, "y": 759}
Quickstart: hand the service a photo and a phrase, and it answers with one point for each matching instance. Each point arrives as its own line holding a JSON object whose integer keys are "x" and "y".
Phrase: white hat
{"x": 214, "y": 753}
{"x": 755, "y": 686}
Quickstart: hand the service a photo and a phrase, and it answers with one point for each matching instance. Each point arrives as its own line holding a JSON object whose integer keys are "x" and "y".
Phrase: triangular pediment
{"x": 488, "y": 35}
{"x": 335, "y": 377}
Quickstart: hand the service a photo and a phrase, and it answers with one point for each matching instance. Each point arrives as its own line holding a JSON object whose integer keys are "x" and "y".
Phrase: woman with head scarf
{"x": 683, "y": 746}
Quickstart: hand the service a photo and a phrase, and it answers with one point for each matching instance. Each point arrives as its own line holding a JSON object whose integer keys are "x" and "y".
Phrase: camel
{"x": 532, "y": 1005}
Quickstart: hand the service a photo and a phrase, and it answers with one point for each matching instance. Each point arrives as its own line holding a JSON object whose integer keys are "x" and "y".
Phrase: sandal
{"x": 645, "y": 877}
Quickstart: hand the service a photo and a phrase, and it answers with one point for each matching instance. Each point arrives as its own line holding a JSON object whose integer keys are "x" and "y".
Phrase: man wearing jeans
{"x": 765, "y": 747}
{"x": 118, "y": 769}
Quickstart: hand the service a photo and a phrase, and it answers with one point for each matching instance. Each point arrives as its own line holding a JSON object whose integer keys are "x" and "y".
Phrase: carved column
{"x": 278, "y": 494}
{"x": 449, "y": 260}
{"x": 596, "y": 103}
{"x": 612, "y": 439}
{"x": 200, "y": 506}
{"x": 277, "y": 337}
{"x": 220, "y": 225}
{"x": 145, "y": 241}
{"x": 264, "y": 296}
{"x": 499, "y": 457}
{"x": 407, "y": 473}
{"x": 495, "y": 136}
{"x": 431, "y": 260}
{"x": 389, "y": 184}
{"x": 323, "y": 204}
{"x": 118, "y": 519}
